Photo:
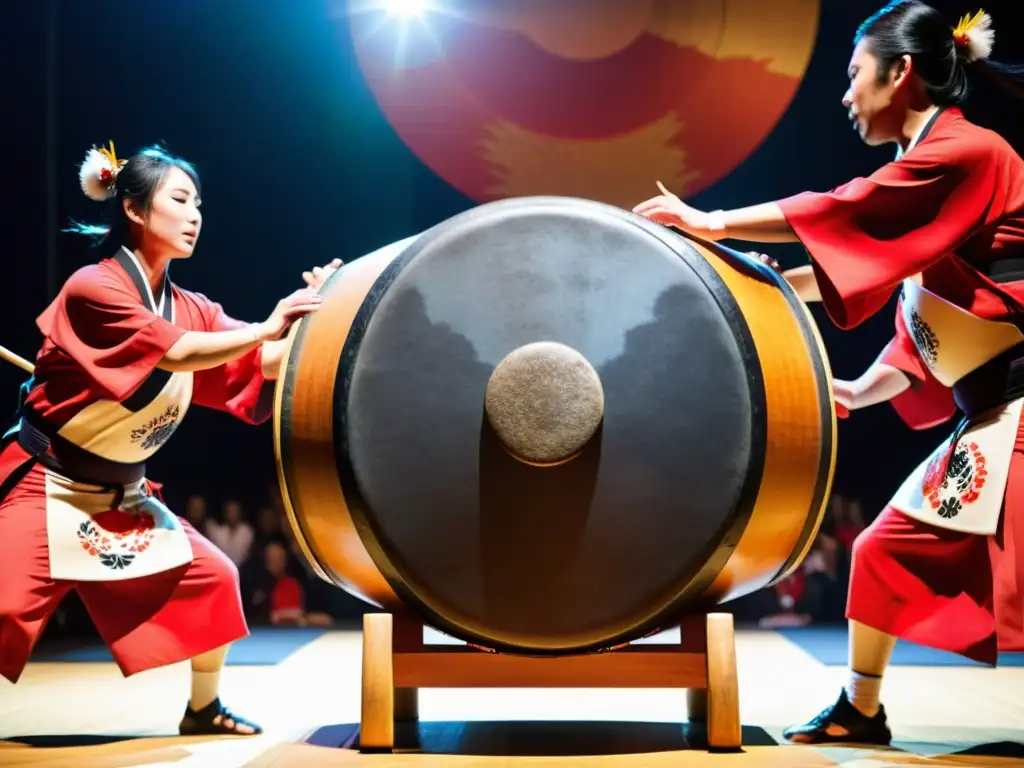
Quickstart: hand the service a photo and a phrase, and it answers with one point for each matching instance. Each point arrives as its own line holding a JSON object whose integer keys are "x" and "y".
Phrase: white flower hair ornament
{"x": 98, "y": 172}
{"x": 974, "y": 36}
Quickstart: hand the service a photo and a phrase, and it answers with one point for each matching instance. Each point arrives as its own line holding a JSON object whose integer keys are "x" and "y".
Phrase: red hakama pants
{"x": 146, "y": 622}
{"x": 953, "y": 591}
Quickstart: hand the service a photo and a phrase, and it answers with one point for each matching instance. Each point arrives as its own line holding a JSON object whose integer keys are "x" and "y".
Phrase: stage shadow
{"x": 996, "y": 750}
{"x": 1001, "y": 749}
{"x": 537, "y": 739}
{"x": 71, "y": 740}
{"x": 108, "y": 750}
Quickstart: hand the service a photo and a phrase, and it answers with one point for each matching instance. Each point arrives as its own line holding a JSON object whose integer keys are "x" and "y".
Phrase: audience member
{"x": 273, "y": 596}
{"x": 195, "y": 513}
{"x": 233, "y": 535}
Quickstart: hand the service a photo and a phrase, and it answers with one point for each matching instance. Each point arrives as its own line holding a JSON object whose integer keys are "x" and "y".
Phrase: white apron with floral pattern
{"x": 968, "y": 495}
{"x": 88, "y": 541}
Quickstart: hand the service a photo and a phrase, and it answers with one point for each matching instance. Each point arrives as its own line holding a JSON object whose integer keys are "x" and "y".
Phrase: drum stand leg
{"x": 721, "y": 696}
{"x": 396, "y": 665}
{"x": 384, "y": 704}
{"x": 377, "y": 720}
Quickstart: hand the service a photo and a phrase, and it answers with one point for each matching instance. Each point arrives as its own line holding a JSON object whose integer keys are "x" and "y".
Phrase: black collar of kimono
{"x": 929, "y": 125}
{"x": 126, "y": 259}
{"x": 156, "y": 381}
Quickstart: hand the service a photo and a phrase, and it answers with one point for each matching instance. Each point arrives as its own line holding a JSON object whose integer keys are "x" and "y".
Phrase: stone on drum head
{"x": 544, "y": 401}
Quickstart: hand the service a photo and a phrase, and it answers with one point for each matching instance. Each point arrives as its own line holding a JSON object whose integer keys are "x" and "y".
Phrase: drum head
{"x": 599, "y": 549}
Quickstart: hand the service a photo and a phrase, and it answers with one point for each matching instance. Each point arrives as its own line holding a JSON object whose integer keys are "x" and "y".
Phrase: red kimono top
{"x": 104, "y": 335}
{"x": 98, "y": 408}
{"x": 949, "y": 208}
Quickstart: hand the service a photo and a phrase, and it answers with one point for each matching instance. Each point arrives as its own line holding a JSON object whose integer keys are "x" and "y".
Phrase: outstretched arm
{"x": 764, "y": 223}
{"x": 868, "y": 235}
{"x": 900, "y": 377}
{"x": 805, "y": 282}
{"x": 878, "y": 384}
{"x": 203, "y": 350}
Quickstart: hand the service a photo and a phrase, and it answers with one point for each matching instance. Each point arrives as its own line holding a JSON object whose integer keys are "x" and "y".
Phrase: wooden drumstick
{"x": 18, "y": 360}
{"x": 735, "y": 258}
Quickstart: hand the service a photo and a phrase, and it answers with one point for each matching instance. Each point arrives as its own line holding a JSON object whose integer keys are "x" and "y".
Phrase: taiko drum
{"x": 549, "y": 426}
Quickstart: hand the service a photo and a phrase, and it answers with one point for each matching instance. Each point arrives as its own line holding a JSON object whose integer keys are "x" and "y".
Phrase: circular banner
{"x": 584, "y": 98}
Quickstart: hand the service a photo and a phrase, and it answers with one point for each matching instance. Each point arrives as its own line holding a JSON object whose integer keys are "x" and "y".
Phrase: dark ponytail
{"x": 137, "y": 180}
{"x": 952, "y": 70}
{"x": 997, "y": 100}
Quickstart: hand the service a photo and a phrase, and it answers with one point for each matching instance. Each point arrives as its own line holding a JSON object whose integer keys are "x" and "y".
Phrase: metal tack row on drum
{"x": 548, "y": 426}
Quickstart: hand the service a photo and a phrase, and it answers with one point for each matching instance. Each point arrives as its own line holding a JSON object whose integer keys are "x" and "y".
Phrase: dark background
{"x": 299, "y": 166}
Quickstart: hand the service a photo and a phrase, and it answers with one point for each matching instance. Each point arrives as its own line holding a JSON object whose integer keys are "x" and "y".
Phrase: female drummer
{"x": 945, "y": 220}
{"x": 125, "y": 353}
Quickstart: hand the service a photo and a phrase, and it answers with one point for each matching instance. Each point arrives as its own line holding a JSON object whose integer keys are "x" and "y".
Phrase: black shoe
{"x": 855, "y": 726}
{"x": 214, "y": 719}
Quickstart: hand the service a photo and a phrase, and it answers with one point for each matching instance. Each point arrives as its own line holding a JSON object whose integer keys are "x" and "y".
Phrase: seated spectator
{"x": 268, "y": 531}
{"x": 272, "y": 596}
{"x": 195, "y": 513}
{"x": 270, "y": 527}
{"x": 812, "y": 593}
{"x": 824, "y": 597}
{"x": 789, "y": 593}
{"x": 233, "y": 536}
{"x": 322, "y": 600}
{"x": 849, "y": 523}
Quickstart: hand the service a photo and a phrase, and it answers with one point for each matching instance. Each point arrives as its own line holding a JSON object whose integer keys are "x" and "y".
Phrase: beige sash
{"x": 952, "y": 341}
{"x": 968, "y": 496}
{"x": 108, "y": 429}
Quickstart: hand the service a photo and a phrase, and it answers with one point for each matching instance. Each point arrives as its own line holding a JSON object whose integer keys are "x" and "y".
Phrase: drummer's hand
{"x": 843, "y": 393}
{"x": 669, "y": 210}
{"x": 765, "y": 259}
{"x": 316, "y": 277}
{"x": 288, "y": 310}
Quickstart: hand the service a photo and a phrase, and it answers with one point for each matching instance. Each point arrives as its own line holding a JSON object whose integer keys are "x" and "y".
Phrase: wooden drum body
{"x": 549, "y": 426}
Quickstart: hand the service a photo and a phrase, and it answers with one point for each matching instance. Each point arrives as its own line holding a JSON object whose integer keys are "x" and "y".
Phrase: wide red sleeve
{"x": 866, "y": 236}
{"x": 927, "y": 403}
{"x": 99, "y": 320}
{"x": 237, "y": 387}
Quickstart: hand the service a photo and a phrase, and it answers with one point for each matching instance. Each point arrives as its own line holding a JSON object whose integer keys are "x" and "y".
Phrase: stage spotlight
{"x": 406, "y": 9}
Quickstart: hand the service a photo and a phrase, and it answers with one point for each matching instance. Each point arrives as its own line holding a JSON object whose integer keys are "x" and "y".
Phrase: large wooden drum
{"x": 549, "y": 426}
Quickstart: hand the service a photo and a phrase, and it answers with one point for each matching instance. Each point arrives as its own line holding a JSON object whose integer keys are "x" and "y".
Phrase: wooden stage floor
{"x": 69, "y": 715}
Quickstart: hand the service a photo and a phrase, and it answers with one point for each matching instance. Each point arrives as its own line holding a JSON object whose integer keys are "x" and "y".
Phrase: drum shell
{"x": 794, "y": 484}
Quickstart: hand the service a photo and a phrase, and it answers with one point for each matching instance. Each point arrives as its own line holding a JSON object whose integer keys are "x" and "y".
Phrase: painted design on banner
{"x": 158, "y": 430}
{"x": 949, "y": 489}
{"x": 925, "y": 339}
{"x": 117, "y": 549}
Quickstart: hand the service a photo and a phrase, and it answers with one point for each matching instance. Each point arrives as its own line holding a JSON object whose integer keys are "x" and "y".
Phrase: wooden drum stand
{"x": 396, "y": 664}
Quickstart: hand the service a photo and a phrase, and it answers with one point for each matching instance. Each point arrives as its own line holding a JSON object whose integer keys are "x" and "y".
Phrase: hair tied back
{"x": 974, "y": 36}
{"x": 98, "y": 172}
